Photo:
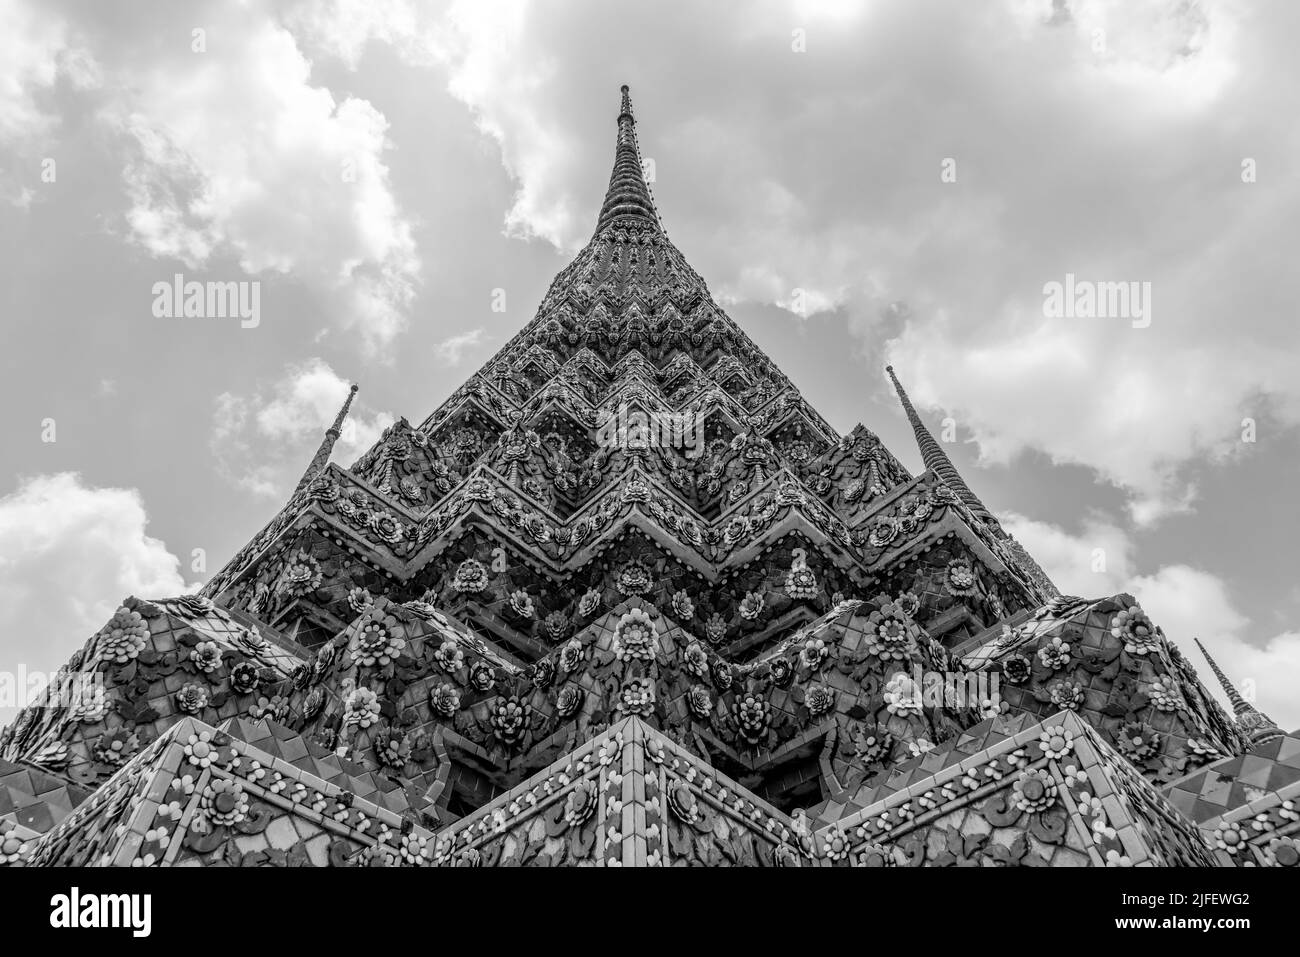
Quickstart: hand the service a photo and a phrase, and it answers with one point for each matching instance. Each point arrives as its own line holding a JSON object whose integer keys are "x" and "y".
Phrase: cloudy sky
{"x": 859, "y": 182}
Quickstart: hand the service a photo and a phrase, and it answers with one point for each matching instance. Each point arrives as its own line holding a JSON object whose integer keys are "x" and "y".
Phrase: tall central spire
{"x": 628, "y": 196}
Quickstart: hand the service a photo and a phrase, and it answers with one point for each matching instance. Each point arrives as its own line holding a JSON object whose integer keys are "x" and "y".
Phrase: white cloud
{"x": 344, "y": 28}
{"x": 234, "y": 151}
{"x": 69, "y": 553}
{"x": 450, "y": 352}
{"x": 36, "y": 50}
{"x": 265, "y": 440}
{"x": 1188, "y": 603}
{"x": 1096, "y": 561}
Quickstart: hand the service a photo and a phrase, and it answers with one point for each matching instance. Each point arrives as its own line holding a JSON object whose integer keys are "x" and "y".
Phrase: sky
{"x": 860, "y": 183}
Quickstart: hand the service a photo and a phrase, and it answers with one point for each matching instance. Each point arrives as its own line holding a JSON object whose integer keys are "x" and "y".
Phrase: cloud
{"x": 1186, "y": 602}
{"x": 263, "y": 441}
{"x": 451, "y": 351}
{"x": 69, "y": 553}
{"x": 36, "y": 51}
{"x": 229, "y": 149}
{"x": 1095, "y": 561}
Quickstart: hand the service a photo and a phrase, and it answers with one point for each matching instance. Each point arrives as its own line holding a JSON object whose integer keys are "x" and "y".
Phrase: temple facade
{"x": 626, "y": 599}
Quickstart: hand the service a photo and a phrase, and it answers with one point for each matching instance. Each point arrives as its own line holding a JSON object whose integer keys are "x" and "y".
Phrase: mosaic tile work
{"x": 627, "y": 599}
{"x": 1050, "y": 794}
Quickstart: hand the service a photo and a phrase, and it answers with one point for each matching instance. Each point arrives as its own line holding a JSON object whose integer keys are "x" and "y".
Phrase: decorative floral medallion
{"x": 751, "y": 606}
{"x": 192, "y": 698}
{"x": 206, "y": 656}
{"x": 521, "y": 603}
{"x": 471, "y": 577}
{"x": 482, "y": 677}
{"x": 699, "y": 702}
{"x": 637, "y": 697}
{"x": 568, "y": 700}
{"x": 1066, "y": 694}
{"x": 683, "y": 607}
{"x": 818, "y": 700}
{"x": 223, "y": 802}
{"x": 902, "y": 696}
{"x": 301, "y": 576}
{"x": 959, "y": 579}
{"x": 753, "y": 717}
{"x": 696, "y": 660}
{"x": 682, "y": 803}
{"x": 1136, "y": 741}
{"x": 589, "y": 602}
{"x": 361, "y": 708}
{"x": 1134, "y": 628}
{"x": 581, "y": 804}
{"x": 449, "y": 656}
{"x": 1016, "y": 669}
{"x": 891, "y": 635}
{"x": 444, "y": 700}
{"x": 1034, "y": 791}
{"x": 801, "y": 583}
{"x": 634, "y": 579}
{"x": 1055, "y": 654}
{"x": 813, "y": 654}
{"x": 374, "y": 644}
{"x": 124, "y": 637}
{"x": 509, "y": 719}
{"x": 635, "y": 637}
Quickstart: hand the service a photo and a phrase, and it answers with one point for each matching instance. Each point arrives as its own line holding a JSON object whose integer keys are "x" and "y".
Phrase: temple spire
{"x": 628, "y": 196}
{"x": 936, "y": 460}
{"x": 322, "y": 456}
{"x": 1257, "y": 727}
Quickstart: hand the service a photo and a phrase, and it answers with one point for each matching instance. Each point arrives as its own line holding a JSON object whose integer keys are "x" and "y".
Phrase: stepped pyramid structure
{"x": 627, "y": 599}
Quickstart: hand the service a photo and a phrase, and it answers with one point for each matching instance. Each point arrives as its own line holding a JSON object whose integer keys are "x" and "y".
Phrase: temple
{"x": 514, "y": 634}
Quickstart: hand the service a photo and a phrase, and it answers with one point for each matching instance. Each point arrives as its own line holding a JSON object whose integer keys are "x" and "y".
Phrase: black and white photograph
{"x": 595, "y": 433}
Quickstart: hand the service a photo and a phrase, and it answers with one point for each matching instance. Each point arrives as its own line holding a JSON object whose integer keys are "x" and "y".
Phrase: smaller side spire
{"x": 1256, "y": 727}
{"x": 322, "y": 456}
{"x": 937, "y": 461}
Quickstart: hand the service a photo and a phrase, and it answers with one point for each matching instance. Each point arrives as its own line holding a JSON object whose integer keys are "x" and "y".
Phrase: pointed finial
{"x": 1257, "y": 727}
{"x": 343, "y": 412}
{"x": 934, "y": 457}
{"x": 628, "y": 198}
{"x": 322, "y": 456}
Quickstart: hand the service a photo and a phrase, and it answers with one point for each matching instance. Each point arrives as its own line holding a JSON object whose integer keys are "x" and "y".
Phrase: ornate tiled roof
{"x": 625, "y": 598}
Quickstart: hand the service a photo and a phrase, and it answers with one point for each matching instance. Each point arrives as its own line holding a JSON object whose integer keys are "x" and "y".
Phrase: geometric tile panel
{"x": 199, "y": 795}
{"x": 1050, "y": 794}
{"x": 1105, "y": 660}
{"x": 628, "y": 797}
{"x": 1233, "y": 782}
